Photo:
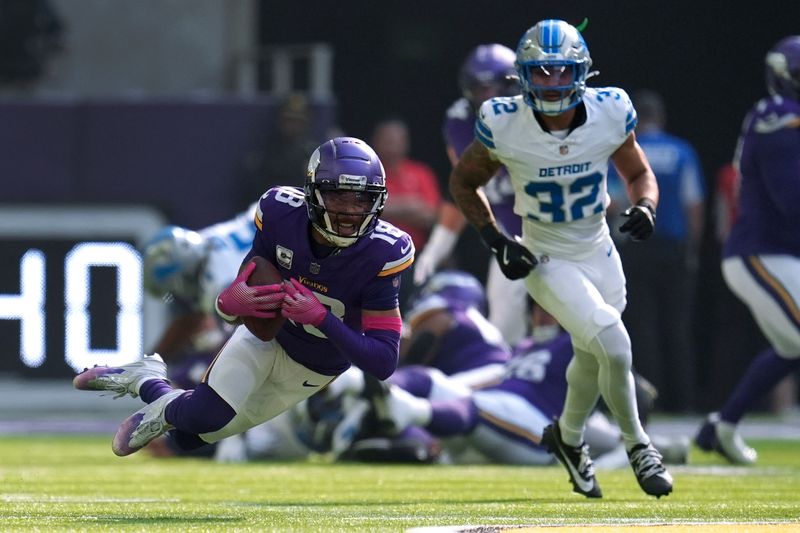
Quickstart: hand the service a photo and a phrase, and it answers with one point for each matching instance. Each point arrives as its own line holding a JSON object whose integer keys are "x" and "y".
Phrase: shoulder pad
{"x": 276, "y": 202}
{"x": 776, "y": 113}
{"x": 615, "y": 103}
{"x": 399, "y": 248}
{"x": 459, "y": 110}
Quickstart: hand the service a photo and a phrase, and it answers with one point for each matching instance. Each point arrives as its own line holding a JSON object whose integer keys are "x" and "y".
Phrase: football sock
{"x": 185, "y": 441}
{"x": 612, "y": 346}
{"x": 153, "y": 389}
{"x": 199, "y": 411}
{"x": 582, "y": 394}
{"x": 764, "y": 372}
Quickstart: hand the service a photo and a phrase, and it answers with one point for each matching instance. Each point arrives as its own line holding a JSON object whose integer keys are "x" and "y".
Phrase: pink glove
{"x": 300, "y": 304}
{"x": 240, "y": 299}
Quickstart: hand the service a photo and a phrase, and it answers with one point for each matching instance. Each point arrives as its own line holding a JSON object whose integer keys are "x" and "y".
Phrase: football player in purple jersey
{"x": 447, "y": 330}
{"x": 341, "y": 266}
{"x": 487, "y": 72}
{"x": 761, "y": 257}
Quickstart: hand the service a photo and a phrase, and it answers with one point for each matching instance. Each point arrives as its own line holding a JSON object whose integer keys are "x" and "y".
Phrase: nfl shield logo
{"x": 563, "y": 149}
{"x": 314, "y": 268}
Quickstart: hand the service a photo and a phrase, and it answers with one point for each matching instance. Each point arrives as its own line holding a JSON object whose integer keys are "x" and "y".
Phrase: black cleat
{"x": 575, "y": 459}
{"x": 653, "y": 478}
{"x": 376, "y": 392}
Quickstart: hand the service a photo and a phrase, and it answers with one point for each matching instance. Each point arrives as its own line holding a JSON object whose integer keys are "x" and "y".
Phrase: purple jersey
{"x": 471, "y": 342}
{"x": 365, "y": 275}
{"x": 538, "y": 373}
{"x": 768, "y": 157}
{"x": 459, "y": 132}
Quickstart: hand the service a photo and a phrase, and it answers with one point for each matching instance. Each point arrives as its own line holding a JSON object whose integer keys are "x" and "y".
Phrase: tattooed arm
{"x": 474, "y": 169}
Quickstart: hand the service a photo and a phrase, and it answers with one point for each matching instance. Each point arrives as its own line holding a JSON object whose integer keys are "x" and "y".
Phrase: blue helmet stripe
{"x": 546, "y": 36}
{"x": 485, "y": 139}
{"x": 551, "y": 36}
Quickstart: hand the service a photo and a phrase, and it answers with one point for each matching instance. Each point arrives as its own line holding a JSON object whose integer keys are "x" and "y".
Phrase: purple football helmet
{"x": 488, "y": 71}
{"x": 345, "y": 190}
{"x": 783, "y": 68}
{"x": 458, "y": 288}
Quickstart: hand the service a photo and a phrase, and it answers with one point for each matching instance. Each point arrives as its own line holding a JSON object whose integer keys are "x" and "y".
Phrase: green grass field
{"x": 51, "y": 483}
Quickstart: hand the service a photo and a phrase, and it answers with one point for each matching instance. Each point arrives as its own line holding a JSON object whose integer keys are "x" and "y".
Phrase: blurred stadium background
{"x": 117, "y": 117}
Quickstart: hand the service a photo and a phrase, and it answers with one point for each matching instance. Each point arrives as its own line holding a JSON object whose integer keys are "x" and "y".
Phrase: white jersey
{"x": 559, "y": 184}
{"x": 230, "y": 242}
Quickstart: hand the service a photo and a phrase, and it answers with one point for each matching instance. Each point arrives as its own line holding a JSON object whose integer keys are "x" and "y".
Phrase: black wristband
{"x": 490, "y": 234}
{"x": 648, "y": 203}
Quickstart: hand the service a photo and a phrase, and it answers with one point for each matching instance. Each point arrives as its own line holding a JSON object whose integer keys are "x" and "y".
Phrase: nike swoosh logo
{"x": 405, "y": 248}
{"x": 505, "y": 255}
{"x": 307, "y": 384}
{"x": 585, "y": 486}
{"x": 608, "y": 253}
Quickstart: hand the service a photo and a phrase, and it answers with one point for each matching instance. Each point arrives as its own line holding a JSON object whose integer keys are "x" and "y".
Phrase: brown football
{"x": 265, "y": 273}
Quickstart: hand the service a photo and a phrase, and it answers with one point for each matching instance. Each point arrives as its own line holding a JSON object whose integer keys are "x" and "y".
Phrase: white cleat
{"x": 143, "y": 426}
{"x": 722, "y": 437}
{"x": 395, "y": 409}
{"x": 122, "y": 380}
{"x": 732, "y": 445}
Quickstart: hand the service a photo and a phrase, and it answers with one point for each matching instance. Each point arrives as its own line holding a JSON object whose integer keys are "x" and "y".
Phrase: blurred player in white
{"x": 188, "y": 269}
{"x": 487, "y": 72}
{"x": 555, "y": 139}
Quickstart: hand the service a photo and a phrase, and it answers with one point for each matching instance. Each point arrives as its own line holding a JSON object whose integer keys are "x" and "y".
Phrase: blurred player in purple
{"x": 485, "y": 73}
{"x": 449, "y": 330}
{"x": 761, "y": 257}
{"x": 502, "y": 417}
{"x": 342, "y": 268}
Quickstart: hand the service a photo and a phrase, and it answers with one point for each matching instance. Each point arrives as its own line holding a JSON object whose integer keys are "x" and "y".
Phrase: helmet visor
{"x": 555, "y": 75}
{"x": 348, "y": 211}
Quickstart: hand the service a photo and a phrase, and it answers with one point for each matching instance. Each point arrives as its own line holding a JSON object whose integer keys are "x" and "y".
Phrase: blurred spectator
{"x": 30, "y": 33}
{"x": 414, "y": 195}
{"x": 487, "y": 72}
{"x": 284, "y": 155}
{"x": 661, "y": 271}
{"x": 726, "y": 194}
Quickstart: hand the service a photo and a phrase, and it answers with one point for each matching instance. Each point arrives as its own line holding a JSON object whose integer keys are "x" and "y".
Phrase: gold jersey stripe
{"x": 398, "y": 268}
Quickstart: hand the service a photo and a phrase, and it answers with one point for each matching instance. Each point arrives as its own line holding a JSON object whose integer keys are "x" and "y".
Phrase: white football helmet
{"x": 553, "y": 63}
{"x": 173, "y": 260}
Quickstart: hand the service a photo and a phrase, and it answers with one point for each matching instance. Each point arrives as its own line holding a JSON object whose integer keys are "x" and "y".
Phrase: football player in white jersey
{"x": 189, "y": 269}
{"x": 556, "y": 139}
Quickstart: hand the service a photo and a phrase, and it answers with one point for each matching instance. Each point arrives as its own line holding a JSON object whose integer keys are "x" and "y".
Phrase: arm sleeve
{"x": 376, "y": 351}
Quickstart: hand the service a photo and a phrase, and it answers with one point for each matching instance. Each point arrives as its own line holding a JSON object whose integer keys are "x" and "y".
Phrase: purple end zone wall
{"x": 183, "y": 157}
